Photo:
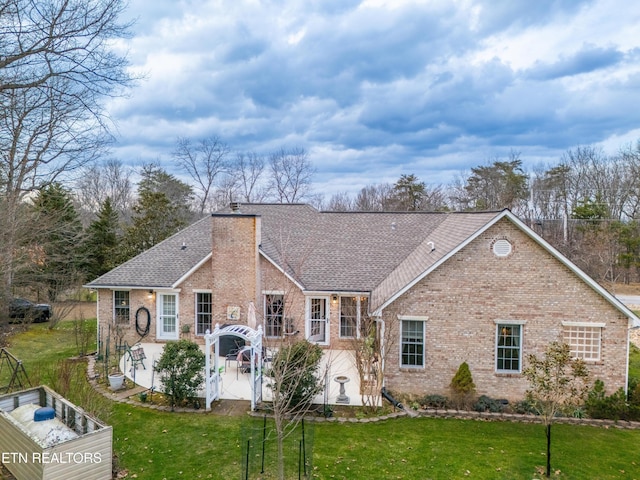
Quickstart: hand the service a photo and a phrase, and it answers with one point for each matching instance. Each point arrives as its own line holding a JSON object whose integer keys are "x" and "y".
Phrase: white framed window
{"x": 584, "y": 339}
{"x": 273, "y": 314}
{"x": 204, "y": 312}
{"x": 509, "y": 347}
{"x": 354, "y": 317}
{"x": 121, "y": 306}
{"x": 412, "y": 343}
{"x": 349, "y": 317}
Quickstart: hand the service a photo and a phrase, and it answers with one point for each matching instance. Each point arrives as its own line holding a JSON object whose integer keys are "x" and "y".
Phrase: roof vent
{"x": 502, "y": 248}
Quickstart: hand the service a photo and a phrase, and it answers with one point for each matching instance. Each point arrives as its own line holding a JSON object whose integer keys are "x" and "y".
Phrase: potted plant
{"x": 116, "y": 380}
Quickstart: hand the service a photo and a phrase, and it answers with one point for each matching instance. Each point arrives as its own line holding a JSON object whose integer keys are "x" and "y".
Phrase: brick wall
{"x": 200, "y": 281}
{"x": 137, "y": 299}
{"x": 464, "y": 297}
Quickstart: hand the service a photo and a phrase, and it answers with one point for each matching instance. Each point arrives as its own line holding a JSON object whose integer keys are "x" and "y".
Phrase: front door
{"x": 318, "y": 315}
{"x": 167, "y": 316}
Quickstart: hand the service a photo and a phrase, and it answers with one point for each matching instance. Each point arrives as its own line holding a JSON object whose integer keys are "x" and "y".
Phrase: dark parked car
{"x": 19, "y": 308}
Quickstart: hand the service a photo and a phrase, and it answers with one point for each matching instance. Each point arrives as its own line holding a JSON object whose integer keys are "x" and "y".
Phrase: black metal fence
{"x": 260, "y": 450}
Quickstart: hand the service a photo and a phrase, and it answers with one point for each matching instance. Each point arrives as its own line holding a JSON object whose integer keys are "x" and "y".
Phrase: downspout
{"x": 382, "y": 327}
{"x": 626, "y": 373}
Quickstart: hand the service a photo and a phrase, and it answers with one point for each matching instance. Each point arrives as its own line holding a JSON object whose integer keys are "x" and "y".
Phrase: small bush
{"x": 488, "y": 404}
{"x": 601, "y": 405}
{"x": 462, "y": 387}
{"x": 180, "y": 368}
{"x": 434, "y": 401}
{"x": 525, "y": 407}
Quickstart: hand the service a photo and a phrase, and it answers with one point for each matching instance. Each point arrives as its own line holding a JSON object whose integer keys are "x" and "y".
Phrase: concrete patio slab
{"x": 236, "y": 385}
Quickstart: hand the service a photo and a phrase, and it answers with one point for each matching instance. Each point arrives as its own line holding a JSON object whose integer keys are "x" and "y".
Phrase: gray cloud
{"x": 375, "y": 91}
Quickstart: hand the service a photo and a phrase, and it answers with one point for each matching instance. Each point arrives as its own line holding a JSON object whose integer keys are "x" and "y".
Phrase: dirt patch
{"x": 75, "y": 310}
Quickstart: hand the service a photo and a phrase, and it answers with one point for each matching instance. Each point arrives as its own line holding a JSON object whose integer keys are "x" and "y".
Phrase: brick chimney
{"x": 235, "y": 264}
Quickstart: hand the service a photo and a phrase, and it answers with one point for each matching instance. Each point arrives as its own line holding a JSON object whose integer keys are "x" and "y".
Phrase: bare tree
{"x": 340, "y": 202}
{"x": 56, "y": 67}
{"x": 373, "y": 342}
{"x": 295, "y": 379}
{"x": 204, "y": 161}
{"x": 631, "y": 159}
{"x": 110, "y": 179}
{"x": 249, "y": 172}
{"x": 374, "y": 198}
{"x": 297, "y": 372}
{"x": 291, "y": 174}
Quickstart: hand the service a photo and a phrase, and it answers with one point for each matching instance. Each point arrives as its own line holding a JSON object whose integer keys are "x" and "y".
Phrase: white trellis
{"x": 213, "y": 381}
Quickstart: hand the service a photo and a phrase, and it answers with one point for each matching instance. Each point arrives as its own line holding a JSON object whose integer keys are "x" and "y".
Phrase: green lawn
{"x": 156, "y": 445}
{"x": 634, "y": 363}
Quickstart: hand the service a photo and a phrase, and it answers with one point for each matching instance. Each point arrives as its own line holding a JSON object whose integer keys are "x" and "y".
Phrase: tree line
{"x": 587, "y": 204}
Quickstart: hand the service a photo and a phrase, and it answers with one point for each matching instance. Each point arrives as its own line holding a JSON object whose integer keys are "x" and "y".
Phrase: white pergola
{"x": 213, "y": 381}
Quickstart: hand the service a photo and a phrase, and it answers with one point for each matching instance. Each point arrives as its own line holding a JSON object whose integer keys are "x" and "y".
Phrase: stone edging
{"x": 433, "y": 413}
{"x": 123, "y": 396}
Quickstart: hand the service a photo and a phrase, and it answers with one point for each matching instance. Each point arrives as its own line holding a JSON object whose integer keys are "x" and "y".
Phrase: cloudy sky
{"x": 376, "y": 88}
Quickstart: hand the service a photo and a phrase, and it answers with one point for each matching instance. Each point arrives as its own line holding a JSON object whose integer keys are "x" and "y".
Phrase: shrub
{"x": 526, "y": 407}
{"x": 488, "y": 404}
{"x": 462, "y": 386}
{"x": 181, "y": 370}
{"x": 293, "y": 375}
{"x": 434, "y": 401}
{"x": 601, "y": 405}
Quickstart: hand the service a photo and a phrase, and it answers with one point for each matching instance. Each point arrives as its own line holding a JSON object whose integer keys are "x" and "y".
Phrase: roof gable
{"x": 388, "y": 291}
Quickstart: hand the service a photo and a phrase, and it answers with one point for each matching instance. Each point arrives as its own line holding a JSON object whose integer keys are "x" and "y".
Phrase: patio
{"x": 236, "y": 383}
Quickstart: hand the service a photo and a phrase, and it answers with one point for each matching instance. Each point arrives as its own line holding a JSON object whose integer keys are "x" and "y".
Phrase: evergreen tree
{"x": 102, "y": 241}
{"x": 162, "y": 209}
{"x": 55, "y": 247}
{"x": 503, "y": 184}
{"x": 409, "y": 193}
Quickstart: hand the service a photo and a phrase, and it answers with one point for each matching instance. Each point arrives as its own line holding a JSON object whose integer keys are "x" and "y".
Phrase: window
{"x": 348, "y": 316}
{"x": 121, "y": 306}
{"x": 354, "y": 317}
{"x": 273, "y": 314}
{"x": 508, "y": 347}
{"x": 367, "y": 323}
{"x": 584, "y": 340}
{"x": 412, "y": 343}
{"x": 203, "y": 313}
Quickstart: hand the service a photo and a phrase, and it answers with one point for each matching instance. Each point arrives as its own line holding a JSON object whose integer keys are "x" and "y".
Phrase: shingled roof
{"x": 322, "y": 251}
{"x": 165, "y": 264}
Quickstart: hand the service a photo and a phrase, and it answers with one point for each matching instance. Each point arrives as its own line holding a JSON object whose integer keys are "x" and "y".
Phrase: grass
{"x": 156, "y": 445}
{"x": 150, "y": 444}
{"x": 39, "y": 344}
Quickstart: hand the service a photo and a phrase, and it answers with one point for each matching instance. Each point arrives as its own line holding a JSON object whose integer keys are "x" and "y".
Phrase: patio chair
{"x": 137, "y": 356}
{"x": 244, "y": 360}
{"x": 230, "y": 357}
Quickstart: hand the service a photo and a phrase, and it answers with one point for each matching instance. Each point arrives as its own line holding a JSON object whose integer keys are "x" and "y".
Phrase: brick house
{"x": 449, "y": 287}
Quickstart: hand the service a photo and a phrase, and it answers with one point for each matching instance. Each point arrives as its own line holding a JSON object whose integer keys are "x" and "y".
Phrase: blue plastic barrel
{"x": 44, "y": 413}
